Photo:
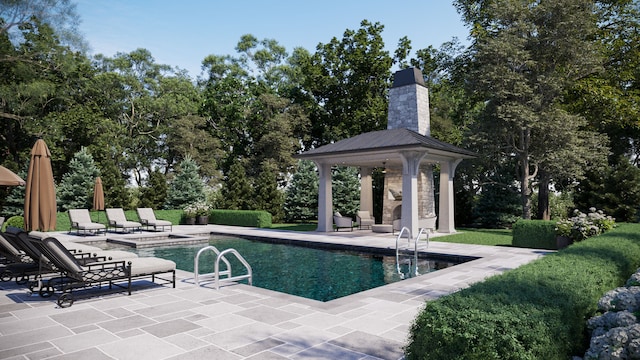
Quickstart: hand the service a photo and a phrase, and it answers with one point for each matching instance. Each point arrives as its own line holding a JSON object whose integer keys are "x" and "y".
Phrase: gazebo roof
{"x": 375, "y": 147}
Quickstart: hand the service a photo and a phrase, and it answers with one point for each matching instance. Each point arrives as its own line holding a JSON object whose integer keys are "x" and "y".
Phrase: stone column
{"x": 325, "y": 198}
{"x": 446, "y": 214}
{"x": 366, "y": 190}
{"x": 410, "y": 166}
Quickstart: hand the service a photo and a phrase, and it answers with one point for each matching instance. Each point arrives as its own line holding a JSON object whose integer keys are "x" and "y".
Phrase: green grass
{"x": 493, "y": 237}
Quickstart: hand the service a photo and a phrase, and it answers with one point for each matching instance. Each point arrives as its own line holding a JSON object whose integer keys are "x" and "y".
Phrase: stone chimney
{"x": 408, "y": 109}
{"x": 409, "y": 102}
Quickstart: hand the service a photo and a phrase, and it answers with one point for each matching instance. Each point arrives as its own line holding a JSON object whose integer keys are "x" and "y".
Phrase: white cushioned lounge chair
{"x": 81, "y": 221}
{"x": 148, "y": 219}
{"x": 75, "y": 275}
{"x": 118, "y": 220}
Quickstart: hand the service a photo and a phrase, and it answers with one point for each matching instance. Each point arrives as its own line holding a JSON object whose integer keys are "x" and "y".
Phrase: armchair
{"x": 363, "y": 218}
{"x": 342, "y": 222}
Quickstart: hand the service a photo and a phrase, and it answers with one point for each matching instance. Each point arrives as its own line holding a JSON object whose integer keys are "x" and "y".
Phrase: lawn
{"x": 494, "y": 237}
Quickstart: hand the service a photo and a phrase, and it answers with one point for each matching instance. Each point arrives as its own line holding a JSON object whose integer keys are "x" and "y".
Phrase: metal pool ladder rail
{"x": 408, "y": 249}
{"x": 220, "y": 255}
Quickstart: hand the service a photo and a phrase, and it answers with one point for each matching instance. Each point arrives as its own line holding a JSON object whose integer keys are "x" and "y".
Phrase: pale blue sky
{"x": 183, "y": 33}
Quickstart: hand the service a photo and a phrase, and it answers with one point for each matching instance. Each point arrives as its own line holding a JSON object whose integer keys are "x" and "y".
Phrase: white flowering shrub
{"x": 582, "y": 226}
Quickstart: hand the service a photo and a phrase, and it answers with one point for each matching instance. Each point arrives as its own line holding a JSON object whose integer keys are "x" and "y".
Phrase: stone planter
{"x": 202, "y": 220}
{"x": 562, "y": 242}
{"x": 190, "y": 221}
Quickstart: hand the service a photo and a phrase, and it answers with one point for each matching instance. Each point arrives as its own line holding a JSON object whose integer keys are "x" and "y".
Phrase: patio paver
{"x": 239, "y": 321}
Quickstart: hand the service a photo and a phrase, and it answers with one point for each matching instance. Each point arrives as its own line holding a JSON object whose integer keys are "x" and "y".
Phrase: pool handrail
{"x": 220, "y": 255}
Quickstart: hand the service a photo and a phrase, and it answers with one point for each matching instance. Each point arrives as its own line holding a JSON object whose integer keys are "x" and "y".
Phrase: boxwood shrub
{"x": 253, "y": 218}
{"x": 15, "y": 221}
{"x": 535, "y": 234}
{"x": 537, "y": 311}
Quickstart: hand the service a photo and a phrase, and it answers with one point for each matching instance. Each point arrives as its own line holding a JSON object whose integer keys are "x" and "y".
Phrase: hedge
{"x": 535, "y": 234}
{"x": 253, "y": 218}
{"x": 537, "y": 311}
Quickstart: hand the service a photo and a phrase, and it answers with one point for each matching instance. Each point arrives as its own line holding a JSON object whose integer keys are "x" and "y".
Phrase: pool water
{"x": 317, "y": 274}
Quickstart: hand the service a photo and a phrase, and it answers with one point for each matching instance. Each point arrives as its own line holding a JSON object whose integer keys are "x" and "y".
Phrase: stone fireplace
{"x": 409, "y": 109}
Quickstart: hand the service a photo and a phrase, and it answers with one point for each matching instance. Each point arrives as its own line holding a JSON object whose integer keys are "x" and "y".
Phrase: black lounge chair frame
{"x": 90, "y": 277}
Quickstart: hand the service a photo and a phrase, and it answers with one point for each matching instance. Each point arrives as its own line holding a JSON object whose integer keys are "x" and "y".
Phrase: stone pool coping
{"x": 240, "y": 321}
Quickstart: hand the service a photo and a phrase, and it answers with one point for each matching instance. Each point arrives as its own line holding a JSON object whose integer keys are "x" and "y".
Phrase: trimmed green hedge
{"x": 15, "y": 221}
{"x": 535, "y": 234}
{"x": 537, "y": 311}
{"x": 253, "y": 218}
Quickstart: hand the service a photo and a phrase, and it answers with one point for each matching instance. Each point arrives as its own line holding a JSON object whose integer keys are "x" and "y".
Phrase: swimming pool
{"x": 319, "y": 274}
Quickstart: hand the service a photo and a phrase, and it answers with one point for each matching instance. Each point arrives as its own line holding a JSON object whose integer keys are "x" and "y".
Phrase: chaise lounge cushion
{"x": 150, "y": 265}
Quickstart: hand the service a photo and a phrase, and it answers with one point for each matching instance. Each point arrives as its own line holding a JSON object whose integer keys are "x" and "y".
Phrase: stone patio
{"x": 239, "y": 321}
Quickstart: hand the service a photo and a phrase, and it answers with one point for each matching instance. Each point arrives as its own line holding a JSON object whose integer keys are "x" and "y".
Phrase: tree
{"x": 348, "y": 81}
{"x": 187, "y": 187}
{"x": 614, "y": 190}
{"x": 346, "y": 190}
{"x": 266, "y": 193}
{"x": 154, "y": 194}
{"x": 76, "y": 189}
{"x": 301, "y": 196}
{"x": 60, "y": 15}
{"x": 525, "y": 58}
{"x": 247, "y": 106}
{"x": 237, "y": 192}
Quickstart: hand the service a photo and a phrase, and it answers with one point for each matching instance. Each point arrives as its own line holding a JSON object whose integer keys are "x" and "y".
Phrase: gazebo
{"x": 404, "y": 146}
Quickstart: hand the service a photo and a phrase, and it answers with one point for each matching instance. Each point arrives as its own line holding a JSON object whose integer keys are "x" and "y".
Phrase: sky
{"x": 183, "y": 33}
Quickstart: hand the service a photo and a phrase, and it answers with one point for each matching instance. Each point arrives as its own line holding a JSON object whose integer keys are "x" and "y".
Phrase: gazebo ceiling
{"x": 384, "y": 146}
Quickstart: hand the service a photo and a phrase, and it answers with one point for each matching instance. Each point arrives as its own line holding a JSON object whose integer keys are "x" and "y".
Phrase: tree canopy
{"x": 547, "y": 93}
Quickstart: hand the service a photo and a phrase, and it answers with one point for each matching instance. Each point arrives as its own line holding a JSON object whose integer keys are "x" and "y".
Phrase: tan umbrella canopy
{"x": 40, "y": 194}
{"x": 9, "y": 178}
{"x": 98, "y": 196}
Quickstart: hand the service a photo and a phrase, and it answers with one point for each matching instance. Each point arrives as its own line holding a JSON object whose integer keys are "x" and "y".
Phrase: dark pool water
{"x": 317, "y": 274}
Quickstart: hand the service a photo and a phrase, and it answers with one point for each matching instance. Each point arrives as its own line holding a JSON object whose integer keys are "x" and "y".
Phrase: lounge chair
{"x": 16, "y": 263}
{"x": 148, "y": 219}
{"x": 84, "y": 250}
{"x": 342, "y": 222}
{"x": 118, "y": 220}
{"x": 81, "y": 221}
{"x": 364, "y": 218}
{"x": 76, "y": 276}
{"x": 85, "y": 254}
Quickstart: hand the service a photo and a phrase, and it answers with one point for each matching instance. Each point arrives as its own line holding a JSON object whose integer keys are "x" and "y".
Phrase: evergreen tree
{"x": 267, "y": 195}
{"x": 498, "y": 204}
{"x": 301, "y": 196}
{"x": 187, "y": 187}
{"x": 114, "y": 184}
{"x": 14, "y": 202}
{"x": 155, "y": 193}
{"x": 76, "y": 189}
{"x": 236, "y": 191}
{"x": 346, "y": 190}
{"x": 614, "y": 190}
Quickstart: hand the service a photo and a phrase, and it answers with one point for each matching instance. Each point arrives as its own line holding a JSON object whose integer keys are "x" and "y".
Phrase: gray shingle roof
{"x": 385, "y": 140}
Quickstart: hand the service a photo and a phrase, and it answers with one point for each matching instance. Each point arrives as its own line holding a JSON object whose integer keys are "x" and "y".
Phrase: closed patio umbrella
{"x": 40, "y": 193}
{"x": 9, "y": 178}
{"x": 98, "y": 196}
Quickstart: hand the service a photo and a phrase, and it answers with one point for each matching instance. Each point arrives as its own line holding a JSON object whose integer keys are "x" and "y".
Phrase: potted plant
{"x": 202, "y": 213}
{"x": 190, "y": 214}
{"x": 564, "y": 228}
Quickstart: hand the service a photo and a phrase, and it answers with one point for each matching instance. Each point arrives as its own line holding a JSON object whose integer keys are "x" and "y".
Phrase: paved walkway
{"x": 240, "y": 321}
